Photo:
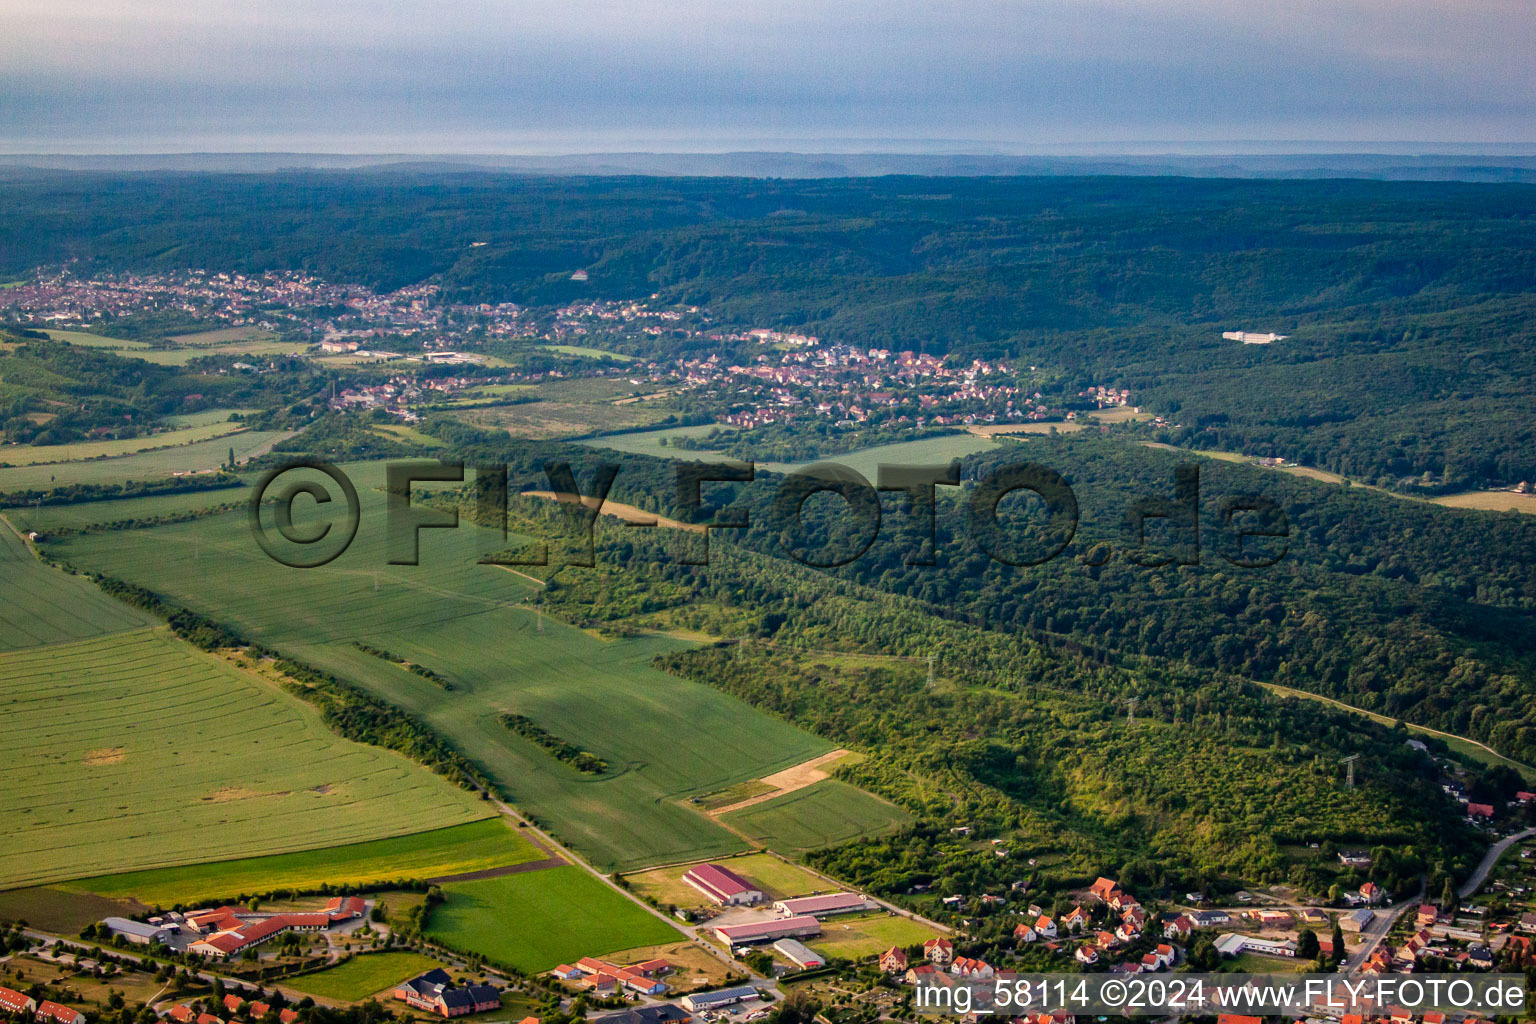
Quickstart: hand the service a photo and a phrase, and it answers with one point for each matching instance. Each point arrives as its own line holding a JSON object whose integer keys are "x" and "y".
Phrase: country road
{"x": 1377, "y": 930}
{"x": 1491, "y": 858}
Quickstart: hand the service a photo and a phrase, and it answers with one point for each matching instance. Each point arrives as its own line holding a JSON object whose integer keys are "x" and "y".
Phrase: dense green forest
{"x": 1407, "y": 304}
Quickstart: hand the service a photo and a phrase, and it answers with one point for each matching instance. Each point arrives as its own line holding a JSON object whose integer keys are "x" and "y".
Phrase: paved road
{"x": 1491, "y": 858}
{"x": 1380, "y": 925}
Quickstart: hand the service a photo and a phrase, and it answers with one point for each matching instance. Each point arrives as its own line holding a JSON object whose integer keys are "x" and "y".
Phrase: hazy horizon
{"x": 1014, "y": 77}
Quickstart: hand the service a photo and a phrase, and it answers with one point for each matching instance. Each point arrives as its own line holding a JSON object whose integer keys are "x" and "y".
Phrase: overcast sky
{"x": 1016, "y": 76}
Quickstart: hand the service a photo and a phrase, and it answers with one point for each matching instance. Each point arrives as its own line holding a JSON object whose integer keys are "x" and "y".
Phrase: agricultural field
{"x": 571, "y": 408}
{"x": 649, "y": 442}
{"x": 823, "y": 814}
{"x": 40, "y": 605}
{"x": 87, "y": 339}
{"x": 777, "y": 879}
{"x": 31, "y": 455}
{"x": 470, "y": 624}
{"x": 588, "y": 353}
{"x": 59, "y": 910}
{"x": 927, "y": 451}
{"x": 457, "y": 849}
{"x": 867, "y": 935}
{"x": 1490, "y": 501}
{"x": 199, "y": 456}
{"x": 363, "y": 976}
{"x": 136, "y": 750}
{"x": 535, "y": 920}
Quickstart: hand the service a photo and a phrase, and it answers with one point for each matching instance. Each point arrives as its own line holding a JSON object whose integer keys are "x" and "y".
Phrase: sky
{"x": 575, "y": 76}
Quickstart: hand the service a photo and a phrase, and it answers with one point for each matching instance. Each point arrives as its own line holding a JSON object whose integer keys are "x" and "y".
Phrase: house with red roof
{"x": 939, "y": 951}
{"x": 893, "y": 960}
{"x": 12, "y": 1001}
{"x": 57, "y": 1013}
{"x": 1103, "y": 888}
{"x": 1479, "y": 810}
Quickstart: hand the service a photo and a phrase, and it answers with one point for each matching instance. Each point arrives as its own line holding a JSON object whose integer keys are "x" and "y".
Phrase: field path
{"x": 787, "y": 781}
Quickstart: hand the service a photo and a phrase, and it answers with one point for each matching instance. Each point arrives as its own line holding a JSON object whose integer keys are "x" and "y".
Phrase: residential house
{"x": 968, "y": 967}
{"x": 1024, "y": 933}
{"x": 1371, "y": 893}
{"x": 49, "y": 1012}
{"x": 893, "y": 960}
{"x": 1045, "y": 927}
{"x": 14, "y": 1002}
{"x": 1086, "y": 954}
{"x": 1075, "y": 920}
{"x": 1179, "y": 928}
{"x": 1103, "y": 888}
{"x": 939, "y": 951}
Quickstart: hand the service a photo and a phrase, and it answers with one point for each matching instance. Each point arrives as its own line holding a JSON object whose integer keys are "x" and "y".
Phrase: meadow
{"x": 538, "y": 919}
{"x": 666, "y": 738}
{"x": 824, "y": 813}
{"x": 88, "y": 339}
{"x": 199, "y": 456}
{"x": 927, "y": 451}
{"x": 457, "y": 849}
{"x": 588, "y": 353}
{"x": 135, "y": 750}
{"x": 41, "y": 605}
{"x": 363, "y": 976}
{"x": 868, "y": 935}
{"x": 571, "y": 408}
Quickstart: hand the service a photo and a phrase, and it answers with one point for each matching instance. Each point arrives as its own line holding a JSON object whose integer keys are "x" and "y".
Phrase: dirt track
{"x": 787, "y": 781}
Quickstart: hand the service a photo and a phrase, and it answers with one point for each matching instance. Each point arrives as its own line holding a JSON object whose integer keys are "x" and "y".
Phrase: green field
{"x": 868, "y": 935}
{"x": 197, "y": 457}
{"x": 928, "y": 451}
{"x": 538, "y": 919}
{"x": 588, "y": 353}
{"x": 648, "y": 442}
{"x": 362, "y": 976}
{"x": 89, "y": 340}
{"x": 41, "y": 605}
{"x": 136, "y": 750}
{"x": 475, "y": 846}
{"x": 182, "y": 355}
{"x": 824, "y": 813}
{"x": 667, "y": 738}
{"x": 31, "y": 455}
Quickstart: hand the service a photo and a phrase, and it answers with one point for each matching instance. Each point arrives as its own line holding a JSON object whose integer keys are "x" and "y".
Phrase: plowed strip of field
{"x": 787, "y": 781}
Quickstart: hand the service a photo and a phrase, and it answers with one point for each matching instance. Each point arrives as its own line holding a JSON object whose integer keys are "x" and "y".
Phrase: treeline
{"x": 420, "y": 670}
{"x": 581, "y": 760}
